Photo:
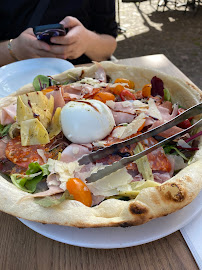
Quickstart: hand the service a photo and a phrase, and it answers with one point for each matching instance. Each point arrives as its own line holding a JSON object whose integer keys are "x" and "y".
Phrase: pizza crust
{"x": 151, "y": 202}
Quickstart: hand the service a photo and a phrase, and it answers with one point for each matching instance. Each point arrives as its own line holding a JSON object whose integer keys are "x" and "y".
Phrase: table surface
{"x": 21, "y": 248}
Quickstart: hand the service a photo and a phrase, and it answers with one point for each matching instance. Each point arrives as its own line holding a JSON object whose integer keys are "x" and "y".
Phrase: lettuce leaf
{"x": 167, "y": 96}
{"x": 50, "y": 201}
{"x": 33, "y": 176}
{"x": 4, "y": 130}
{"x": 143, "y": 164}
{"x": 169, "y": 148}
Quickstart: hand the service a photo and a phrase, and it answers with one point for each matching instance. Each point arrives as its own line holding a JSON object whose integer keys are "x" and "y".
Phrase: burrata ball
{"x": 86, "y": 121}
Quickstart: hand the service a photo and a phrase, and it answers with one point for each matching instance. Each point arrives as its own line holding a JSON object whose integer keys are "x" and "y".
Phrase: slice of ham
{"x": 58, "y": 98}
{"x": 121, "y": 117}
{"x": 161, "y": 177}
{"x": 171, "y": 131}
{"x": 51, "y": 191}
{"x": 166, "y": 116}
{"x": 77, "y": 89}
{"x": 130, "y": 107}
{"x": 74, "y": 88}
{"x": 100, "y": 73}
{"x": 74, "y": 152}
{"x": 8, "y": 114}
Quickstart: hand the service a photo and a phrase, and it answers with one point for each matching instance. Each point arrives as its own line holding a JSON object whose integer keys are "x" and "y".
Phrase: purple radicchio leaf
{"x": 157, "y": 87}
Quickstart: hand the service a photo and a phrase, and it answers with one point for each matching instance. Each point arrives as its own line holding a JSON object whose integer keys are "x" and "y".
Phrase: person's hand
{"x": 75, "y": 43}
{"x": 27, "y": 46}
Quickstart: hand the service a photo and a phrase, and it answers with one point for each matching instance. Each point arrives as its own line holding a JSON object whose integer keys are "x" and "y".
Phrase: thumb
{"x": 70, "y": 22}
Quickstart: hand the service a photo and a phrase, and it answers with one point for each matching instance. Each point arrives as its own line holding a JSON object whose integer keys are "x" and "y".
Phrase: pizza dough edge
{"x": 151, "y": 203}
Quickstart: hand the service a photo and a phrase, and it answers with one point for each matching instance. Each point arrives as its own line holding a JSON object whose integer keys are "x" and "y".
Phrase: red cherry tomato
{"x": 186, "y": 123}
{"x": 127, "y": 95}
{"x": 79, "y": 190}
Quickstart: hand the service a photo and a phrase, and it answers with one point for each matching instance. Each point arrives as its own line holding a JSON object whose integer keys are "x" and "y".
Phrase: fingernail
{"x": 62, "y": 22}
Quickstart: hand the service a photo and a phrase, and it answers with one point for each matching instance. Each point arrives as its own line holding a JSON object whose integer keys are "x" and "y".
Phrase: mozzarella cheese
{"x": 86, "y": 121}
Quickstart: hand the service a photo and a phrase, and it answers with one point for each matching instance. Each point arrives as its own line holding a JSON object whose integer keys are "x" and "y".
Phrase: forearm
{"x": 6, "y": 57}
{"x": 100, "y": 46}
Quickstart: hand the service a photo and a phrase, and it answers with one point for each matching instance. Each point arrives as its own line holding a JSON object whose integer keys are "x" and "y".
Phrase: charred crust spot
{"x": 136, "y": 209}
{"x": 125, "y": 225}
{"x": 179, "y": 196}
{"x": 173, "y": 192}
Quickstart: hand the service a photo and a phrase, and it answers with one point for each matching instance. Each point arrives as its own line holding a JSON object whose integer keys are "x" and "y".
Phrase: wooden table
{"x": 22, "y": 249}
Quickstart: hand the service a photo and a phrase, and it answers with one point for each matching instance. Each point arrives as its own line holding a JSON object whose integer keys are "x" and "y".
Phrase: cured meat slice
{"x": 8, "y": 114}
{"x": 74, "y": 152}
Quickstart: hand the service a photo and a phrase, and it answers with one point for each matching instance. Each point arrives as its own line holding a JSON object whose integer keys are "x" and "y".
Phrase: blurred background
{"x": 146, "y": 28}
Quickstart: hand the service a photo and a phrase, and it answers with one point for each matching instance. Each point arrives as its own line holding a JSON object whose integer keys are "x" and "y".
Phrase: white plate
{"x": 120, "y": 237}
{"x": 15, "y": 75}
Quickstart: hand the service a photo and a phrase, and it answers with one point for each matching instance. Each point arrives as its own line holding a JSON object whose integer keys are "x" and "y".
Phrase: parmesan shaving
{"x": 123, "y": 132}
{"x": 111, "y": 184}
{"x": 153, "y": 110}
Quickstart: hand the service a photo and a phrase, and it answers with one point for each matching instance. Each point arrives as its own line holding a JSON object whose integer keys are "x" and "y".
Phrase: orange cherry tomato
{"x": 130, "y": 83}
{"x": 117, "y": 89}
{"x": 146, "y": 90}
{"x": 47, "y": 90}
{"x": 104, "y": 96}
{"x": 79, "y": 190}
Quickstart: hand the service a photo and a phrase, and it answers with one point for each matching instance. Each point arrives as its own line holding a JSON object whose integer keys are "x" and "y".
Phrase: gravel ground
{"x": 175, "y": 34}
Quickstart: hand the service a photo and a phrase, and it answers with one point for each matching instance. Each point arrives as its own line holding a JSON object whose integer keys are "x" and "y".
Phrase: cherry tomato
{"x": 186, "y": 123}
{"x": 127, "y": 95}
{"x": 146, "y": 90}
{"x": 79, "y": 190}
{"x": 49, "y": 89}
{"x": 181, "y": 110}
{"x": 104, "y": 96}
{"x": 130, "y": 83}
{"x": 117, "y": 89}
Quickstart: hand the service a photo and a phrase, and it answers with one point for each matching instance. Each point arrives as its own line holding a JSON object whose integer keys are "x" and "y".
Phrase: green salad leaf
{"x": 143, "y": 163}
{"x": 4, "y": 130}
{"x": 40, "y": 82}
{"x": 167, "y": 96}
{"x": 33, "y": 176}
{"x": 50, "y": 201}
{"x": 168, "y": 150}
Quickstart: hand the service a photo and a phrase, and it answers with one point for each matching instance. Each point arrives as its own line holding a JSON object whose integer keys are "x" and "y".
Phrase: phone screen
{"x": 45, "y": 32}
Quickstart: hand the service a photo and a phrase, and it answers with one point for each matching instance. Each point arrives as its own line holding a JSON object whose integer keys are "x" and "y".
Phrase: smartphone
{"x": 45, "y": 32}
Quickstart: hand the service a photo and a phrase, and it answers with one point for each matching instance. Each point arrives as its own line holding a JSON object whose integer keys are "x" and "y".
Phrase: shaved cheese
{"x": 135, "y": 104}
{"x": 42, "y": 155}
{"x": 140, "y": 105}
{"x": 63, "y": 170}
{"x": 110, "y": 184}
{"x": 183, "y": 144}
{"x": 123, "y": 132}
{"x": 153, "y": 110}
{"x": 99, "y": 143}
